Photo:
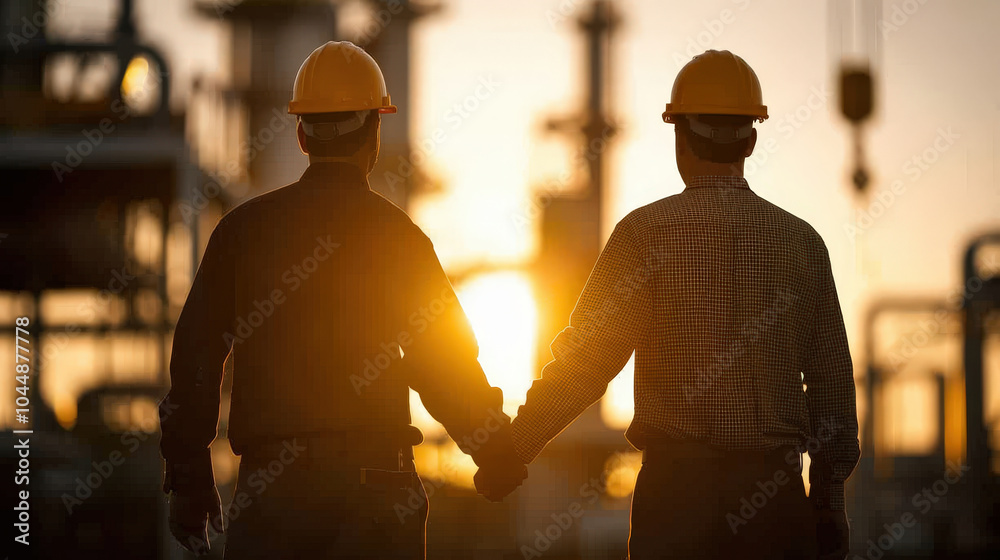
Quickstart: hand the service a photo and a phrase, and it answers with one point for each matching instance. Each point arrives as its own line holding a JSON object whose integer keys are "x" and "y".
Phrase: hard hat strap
{"x": 330, "y": 130}
{"x": 719, "y": 134}
{"x": 364, "y": 158}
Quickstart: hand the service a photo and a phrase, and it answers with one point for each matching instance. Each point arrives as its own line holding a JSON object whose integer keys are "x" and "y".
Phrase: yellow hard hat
{"x": 339, "y": 76}
{"x": 716, "y": 83}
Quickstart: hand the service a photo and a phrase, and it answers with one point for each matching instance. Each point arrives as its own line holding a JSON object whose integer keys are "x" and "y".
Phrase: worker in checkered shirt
{"x": 730, "y": 306}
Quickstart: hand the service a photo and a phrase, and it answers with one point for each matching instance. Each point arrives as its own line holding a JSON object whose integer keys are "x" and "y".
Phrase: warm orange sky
{"x": 938, "y": 74}
{"x": 939, "y": 83}
{"x": 933, "y": 80}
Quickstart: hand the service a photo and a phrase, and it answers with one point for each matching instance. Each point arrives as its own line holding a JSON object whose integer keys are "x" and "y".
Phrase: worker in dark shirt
{"x": 730, "y": 306}
{"x": 331, "y": 304}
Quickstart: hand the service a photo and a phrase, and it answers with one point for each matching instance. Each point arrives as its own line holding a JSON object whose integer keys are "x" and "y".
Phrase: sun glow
{"x": 501, "y": 308}
{"x": 618, "y": 404}
{"x": 503, "y": 313}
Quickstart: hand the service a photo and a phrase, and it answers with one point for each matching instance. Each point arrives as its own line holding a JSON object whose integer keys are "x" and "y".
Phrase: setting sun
{"x": 501, "y": 308}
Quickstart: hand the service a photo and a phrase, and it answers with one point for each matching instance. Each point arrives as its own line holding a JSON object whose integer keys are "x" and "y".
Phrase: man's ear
{"x": 376, "y": 130}
{"x": 751, "y": 143}
{"x": 301, "y": 136}
{"x": 680, "y": 142}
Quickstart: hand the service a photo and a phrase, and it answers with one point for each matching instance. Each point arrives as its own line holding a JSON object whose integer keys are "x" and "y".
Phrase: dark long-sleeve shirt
{"x": 315, "y": 288}
{"x": 729, "y": 304}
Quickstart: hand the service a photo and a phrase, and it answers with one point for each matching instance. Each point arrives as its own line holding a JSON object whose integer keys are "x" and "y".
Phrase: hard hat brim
{"x": 759, "y": 113}
{"x": 322, "y": 106}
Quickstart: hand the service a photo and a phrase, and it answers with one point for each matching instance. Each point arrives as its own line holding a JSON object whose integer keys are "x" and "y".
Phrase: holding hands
{"x": 191, "y": 512}
{"x": 500, "y": 471}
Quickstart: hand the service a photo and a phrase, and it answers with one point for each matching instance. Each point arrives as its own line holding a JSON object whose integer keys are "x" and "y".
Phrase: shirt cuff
{"x": 190, "y": 475}
{"x": 828, "y": 495}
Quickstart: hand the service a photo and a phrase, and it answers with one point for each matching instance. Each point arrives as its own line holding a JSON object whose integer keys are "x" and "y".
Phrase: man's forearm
{"x": 834, "y": 459}
{"x": 187, "y": 429}
{"x": 188, "y": 474}
{"x": 469, "y": 408}
{"x": 552, "y": 404}
{"x": 189, "y": 414}
{"x": 610, "y": 317}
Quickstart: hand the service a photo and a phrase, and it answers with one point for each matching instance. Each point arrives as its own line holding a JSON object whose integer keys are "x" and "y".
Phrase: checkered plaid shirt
{"x": 730, "y": 306}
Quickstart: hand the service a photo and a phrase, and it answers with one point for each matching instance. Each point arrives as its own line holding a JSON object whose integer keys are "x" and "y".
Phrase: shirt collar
{"x": 718, "y": 181}
{"x": 339, "y": 174}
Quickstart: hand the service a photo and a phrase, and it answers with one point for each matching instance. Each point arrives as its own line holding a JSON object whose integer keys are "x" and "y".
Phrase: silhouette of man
{"x": 729, "y": 304}
{"x": 331, "y": 304}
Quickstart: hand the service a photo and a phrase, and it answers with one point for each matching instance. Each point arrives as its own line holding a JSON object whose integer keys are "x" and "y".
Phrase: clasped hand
{"x": 500, "y": 470}
{"x": 496, "y": 481}
{"x": 190, "y": 515}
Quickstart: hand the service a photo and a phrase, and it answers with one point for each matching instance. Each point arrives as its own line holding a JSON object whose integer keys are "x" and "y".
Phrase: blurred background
{"x": 525, "y": 130}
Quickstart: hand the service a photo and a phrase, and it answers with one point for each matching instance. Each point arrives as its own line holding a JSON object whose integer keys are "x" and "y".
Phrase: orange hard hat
{"x": 716, "y": 83}
{"x": 339, "y": 76}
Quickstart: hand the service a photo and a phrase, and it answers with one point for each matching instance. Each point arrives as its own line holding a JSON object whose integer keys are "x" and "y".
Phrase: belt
{"x": 658, "y": 450}
{"x": 340, "y": 449}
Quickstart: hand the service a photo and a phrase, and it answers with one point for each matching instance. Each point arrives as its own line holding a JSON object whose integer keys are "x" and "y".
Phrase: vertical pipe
{"x": 598, "y": 27}
{"x": 978, "y": 300}
{"x": 942, "y": 387}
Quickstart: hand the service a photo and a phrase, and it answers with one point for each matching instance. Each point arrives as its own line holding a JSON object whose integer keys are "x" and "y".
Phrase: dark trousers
{"x": 691, "y": 501}
{"x": 321, "y": 509}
